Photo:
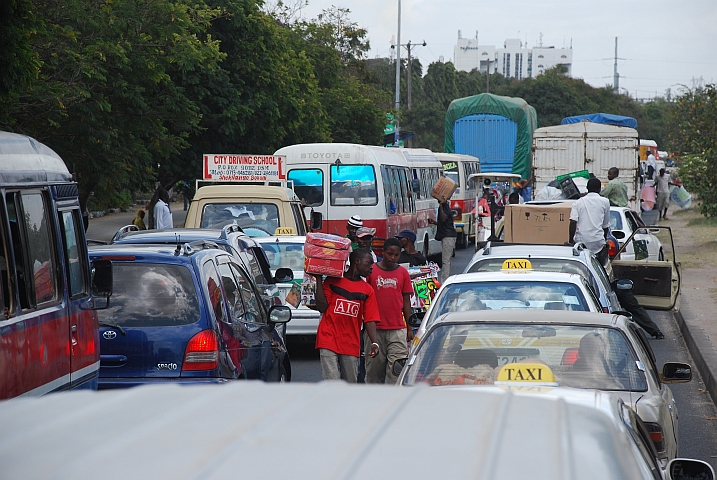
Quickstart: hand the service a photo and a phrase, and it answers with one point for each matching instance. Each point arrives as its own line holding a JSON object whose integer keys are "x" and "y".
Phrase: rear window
{"x": 151, "y": 295}
{"x": 615, "y": 220}
{"x": 563, "y": 265}
{"x": 264, "y": 216}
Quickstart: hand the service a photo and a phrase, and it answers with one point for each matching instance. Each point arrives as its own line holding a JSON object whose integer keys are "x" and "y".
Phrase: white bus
{"x": 459, "y": 168}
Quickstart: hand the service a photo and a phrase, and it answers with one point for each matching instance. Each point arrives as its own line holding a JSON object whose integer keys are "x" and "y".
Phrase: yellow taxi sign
{"x": 525, "y": 373}
{"x": 284, "y": 231}
{"x": 517, "y": 264}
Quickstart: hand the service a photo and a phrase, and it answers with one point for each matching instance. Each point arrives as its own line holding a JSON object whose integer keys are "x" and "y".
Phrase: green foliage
{"x": 694, "y": 138}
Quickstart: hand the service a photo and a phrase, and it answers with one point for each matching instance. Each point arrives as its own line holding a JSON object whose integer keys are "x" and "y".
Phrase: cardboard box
{"x": 327, "y": 240}
{"x": 323, "y": 266}
{"x": 538, "y": 224}
{"x": 315, "y": 251}
{"x": 443, "y": 189}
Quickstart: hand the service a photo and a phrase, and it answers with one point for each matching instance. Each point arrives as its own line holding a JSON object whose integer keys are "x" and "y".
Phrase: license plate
{"x": 505, "y": 359}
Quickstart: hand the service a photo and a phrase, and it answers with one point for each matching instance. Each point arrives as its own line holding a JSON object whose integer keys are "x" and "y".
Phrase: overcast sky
{"x": 662, "y": 42}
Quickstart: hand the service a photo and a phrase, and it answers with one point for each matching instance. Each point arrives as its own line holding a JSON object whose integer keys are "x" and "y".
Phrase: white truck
{"x": 595, "y": 147}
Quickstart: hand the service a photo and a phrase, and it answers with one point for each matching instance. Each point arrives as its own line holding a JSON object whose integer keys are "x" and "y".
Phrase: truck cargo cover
{"x": 515, "y": 109}
{"x": 604, "y": 118}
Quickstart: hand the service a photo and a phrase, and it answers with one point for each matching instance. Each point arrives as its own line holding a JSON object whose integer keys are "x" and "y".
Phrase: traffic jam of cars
{"x": 539, "y": 348}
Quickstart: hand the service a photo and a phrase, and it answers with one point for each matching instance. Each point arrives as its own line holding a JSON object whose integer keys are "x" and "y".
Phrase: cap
{"x": 407, "y": 234}
{"x": 363, "y": 231}
{"x": 355, "y": 221}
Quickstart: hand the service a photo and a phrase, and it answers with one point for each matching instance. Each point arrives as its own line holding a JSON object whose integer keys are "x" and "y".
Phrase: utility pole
{"x": 409, "y": 74}
{"x": 398, "y": 61}
{"x": 615, "y": 75}
{"x": 487, "y": 77}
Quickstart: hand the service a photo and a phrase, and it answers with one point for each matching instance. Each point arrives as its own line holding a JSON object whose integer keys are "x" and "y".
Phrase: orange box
{"x": 323, "y": 266}
{"x": 443, "y": 189}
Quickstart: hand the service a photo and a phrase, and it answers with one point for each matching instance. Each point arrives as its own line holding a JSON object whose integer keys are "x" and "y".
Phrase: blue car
{"x": 186, "y": 314}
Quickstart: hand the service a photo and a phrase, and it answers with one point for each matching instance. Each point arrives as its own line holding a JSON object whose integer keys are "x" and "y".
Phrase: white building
{"x": 513, "y": 60}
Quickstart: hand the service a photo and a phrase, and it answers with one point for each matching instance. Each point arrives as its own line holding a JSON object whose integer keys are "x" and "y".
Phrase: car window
{"x": 299, "y": 219}
{"x": 308, "y": 185}
{"x": 264, "y": 216}
{"x": 631, "y": 221}
{"x": 151, "y": 295}
{"x": 579, "y": 356}
{"x": 211, "y": 282}
{"x": 600, "y": 273}
{"x": 284, "y": 255}
{"x": 645, "y": 351}
{"x": 523, "y": 295}
{"x": 74, "y": 252}
{"x": 233, "y": 294}
{"x": 615, "y": 220}
{"x": 254, "y": 312}
{"x": 639, "y": 435}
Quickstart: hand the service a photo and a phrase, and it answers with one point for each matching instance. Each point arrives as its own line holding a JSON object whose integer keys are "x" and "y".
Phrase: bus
{"x": 425, "y": 170}
{"x": 459, "y": 167}
{"x": 339, "y": 180}
{"x": 49, "y": 333}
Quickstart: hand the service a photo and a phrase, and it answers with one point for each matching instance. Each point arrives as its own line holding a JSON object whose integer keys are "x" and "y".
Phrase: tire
{"x": 285, "y": 372}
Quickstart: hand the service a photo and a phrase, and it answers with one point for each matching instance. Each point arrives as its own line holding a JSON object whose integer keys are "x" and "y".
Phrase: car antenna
{"x": 179, "y": 245}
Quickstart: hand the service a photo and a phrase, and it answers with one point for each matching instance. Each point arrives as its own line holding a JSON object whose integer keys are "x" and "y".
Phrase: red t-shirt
{"x": 390, "y": 287}
{"x": 351, "y": 302}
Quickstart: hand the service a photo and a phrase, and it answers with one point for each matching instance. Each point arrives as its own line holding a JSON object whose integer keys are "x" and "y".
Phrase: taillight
{"x": 202, "y": 352}
{"x": 611, "y": 247}
{"x": 570, "y": 356}
{"x": 605, "y": 310}
{"x": 658, "y": 439}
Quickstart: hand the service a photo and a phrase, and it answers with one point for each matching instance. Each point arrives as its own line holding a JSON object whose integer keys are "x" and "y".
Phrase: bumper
{"x": 304, "y": 321}
{"x": 110, "y": 383}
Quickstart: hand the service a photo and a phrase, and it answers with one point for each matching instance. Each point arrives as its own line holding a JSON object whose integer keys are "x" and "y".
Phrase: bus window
{"x": 308, "y": 185}
{"x": 385, "y": 176}
{"x": 353, "y": 185}
{"x": 396, "y": 187}
{"x": 450, "y": 169}
{"x": 4, "y": 277}
{"x": 417, "y": 176}
{"x": 467, "y": 171}
{"x": 408, "y": 197}
{"x": 76, "y": 266}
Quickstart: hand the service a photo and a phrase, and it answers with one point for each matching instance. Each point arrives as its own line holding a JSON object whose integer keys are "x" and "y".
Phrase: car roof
{"x": 245, "y": 193}
{"x": 514, "y": 276}
{"x": 324, "y": 430}
{"x": 281, "y": 239}
{"x": 153, "y": 251}
{"x": 535, "y": 316}
{"x": 170, "y": 235}
{"x": 499, "y": 249}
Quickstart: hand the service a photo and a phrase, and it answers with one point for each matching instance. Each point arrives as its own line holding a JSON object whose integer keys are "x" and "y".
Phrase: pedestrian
{"x": 651, "y": 165}
{"x": 346, "y": 303}
{"x": 514, "y": 198}
{"x": 393, "y": 286}
{"x": 446, "y": 233}
{"x": 364, "y": 237}
{"x": 483, "y": 207}
{"x": 662, "y": 188}
{"x": 590, "y": 219}
{"x": 162, "y": 213}
{"x": 526, "y": 190}
{"x": 615, "y": 190}
{"x": 352, "y": 226}
{"x": 623, "y": 290}
{"x": 409, "y": 254}
{"x": 139, "y": 220}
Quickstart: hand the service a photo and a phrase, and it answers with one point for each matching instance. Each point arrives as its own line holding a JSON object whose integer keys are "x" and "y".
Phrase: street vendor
{"x": 409, "y": 254}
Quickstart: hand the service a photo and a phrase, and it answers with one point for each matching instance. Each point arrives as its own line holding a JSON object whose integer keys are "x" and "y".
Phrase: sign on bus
{"x": 244, "y": 168}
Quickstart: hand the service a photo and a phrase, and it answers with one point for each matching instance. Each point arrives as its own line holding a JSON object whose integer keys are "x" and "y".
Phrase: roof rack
{"x": 231, "y": 228}
{"x": 191, "y": 248}
{"x": 124, "y": 231}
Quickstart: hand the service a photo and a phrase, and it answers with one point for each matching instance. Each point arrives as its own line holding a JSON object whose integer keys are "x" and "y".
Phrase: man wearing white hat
{"x": 352, "y": 227}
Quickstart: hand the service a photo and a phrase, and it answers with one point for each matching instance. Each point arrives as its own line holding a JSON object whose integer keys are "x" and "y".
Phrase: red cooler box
{"x": 326, "y": 254}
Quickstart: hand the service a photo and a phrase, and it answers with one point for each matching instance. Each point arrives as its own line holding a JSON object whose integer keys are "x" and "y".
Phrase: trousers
{"x": 338, "y": 367}
{"x": 448, "y": 243}
{"x": 639, "y": 314}
{"x": 391, "y": 347}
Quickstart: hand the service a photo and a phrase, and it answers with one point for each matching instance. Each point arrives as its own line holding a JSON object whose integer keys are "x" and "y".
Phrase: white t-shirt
{"x": 662, "y": 183}
{"x": 162, "y": 216}
{"x": 592, "y": 214}
{"x": 651, "y": 160}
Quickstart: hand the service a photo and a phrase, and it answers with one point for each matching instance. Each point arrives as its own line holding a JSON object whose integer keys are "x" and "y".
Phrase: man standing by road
{"x": 346, "y": 303}
{"x": 446, "y": 233}
{"x": 162, "y": 213}
{"x": 615, "y": 190}
{"x": 392, "y": 284}
{"x": 651, "y": 165}
{"x": 590, "y": 219}
{"x": 409, "y": 254}
{"x": 662, "y": 188}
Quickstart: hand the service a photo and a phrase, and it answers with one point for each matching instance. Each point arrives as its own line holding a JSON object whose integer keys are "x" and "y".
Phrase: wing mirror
{"x": 398, "y": 365}
{"x": 414, "y": 321}
{"x": 687, "y": 468}
{"x": 676, "y": 372}
{"x": 279, "y": 314}
{"x": 317, "y": 220}
{"x": 101, "y": 283}
{"x": 284, "y": 275}
{"x": 618, "y": 234}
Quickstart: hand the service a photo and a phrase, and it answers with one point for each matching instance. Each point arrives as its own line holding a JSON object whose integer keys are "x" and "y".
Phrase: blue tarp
{"x": 604, "y": 118}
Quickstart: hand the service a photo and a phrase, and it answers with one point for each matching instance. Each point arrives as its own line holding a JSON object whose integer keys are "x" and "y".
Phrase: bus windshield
{"x": 353, "y": 185}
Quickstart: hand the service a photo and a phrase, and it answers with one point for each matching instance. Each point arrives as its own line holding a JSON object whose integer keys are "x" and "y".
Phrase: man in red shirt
{"x": 346, "y": 303}
{"x": 393, "y": 287}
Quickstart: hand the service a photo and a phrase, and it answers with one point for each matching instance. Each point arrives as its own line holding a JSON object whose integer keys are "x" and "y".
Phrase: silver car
{"x": 580, "y": 349}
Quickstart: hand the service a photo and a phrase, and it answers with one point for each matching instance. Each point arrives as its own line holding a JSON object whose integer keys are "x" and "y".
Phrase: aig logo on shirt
{"x": 347, "y": 307}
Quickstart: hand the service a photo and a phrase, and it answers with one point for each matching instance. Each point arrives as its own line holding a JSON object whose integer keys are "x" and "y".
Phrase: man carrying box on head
{"x": 346, "y": 303}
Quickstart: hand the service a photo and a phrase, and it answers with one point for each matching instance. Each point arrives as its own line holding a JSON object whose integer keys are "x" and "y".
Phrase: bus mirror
{"x": 316, "y": 220}
{"x": 102, "y": 281}
{"x": 415, "y": 186}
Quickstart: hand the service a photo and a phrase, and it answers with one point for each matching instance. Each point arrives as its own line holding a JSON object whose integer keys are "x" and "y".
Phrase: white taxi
{"x": 644, "y": 246}
{"x": 287, "y": 251}
{"x": 559, "y": 348}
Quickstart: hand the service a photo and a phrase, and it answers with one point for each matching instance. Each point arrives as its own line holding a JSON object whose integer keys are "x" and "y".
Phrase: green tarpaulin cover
{"x": 515, "y": 109}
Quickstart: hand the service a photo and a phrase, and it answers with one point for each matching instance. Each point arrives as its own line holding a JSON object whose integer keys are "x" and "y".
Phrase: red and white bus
{"x": 459, "y": 168}
{"x": 49, "y": 336}
{"x": 425, "y": 170}
{"x": 342, "y": 179}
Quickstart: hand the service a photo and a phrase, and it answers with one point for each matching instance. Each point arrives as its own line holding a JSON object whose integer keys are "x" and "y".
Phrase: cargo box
{"x": 328, "y": 241}
{"x": 322, "y": 266}
{"x": 443, "y": 189}
{"x": 538, "y": 223}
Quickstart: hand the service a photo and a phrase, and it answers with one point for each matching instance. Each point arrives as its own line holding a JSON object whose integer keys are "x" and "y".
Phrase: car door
{"x": 656, "y": 283}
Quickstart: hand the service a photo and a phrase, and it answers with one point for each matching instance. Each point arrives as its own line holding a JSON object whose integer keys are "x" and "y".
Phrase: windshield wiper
{"x": 116, "y": 327}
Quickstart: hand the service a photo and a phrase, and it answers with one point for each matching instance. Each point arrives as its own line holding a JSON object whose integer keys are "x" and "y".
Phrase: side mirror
{"x": 284, "y": 275}
{"x": 623, "y": 284}
{"x": 279, "y": 314}
{"x": 101, "y": 282}
{"x": 317, "y": 220}
{"x": 676, "y": 372}
{"x": 618, "y": 234}
{"x": 623, "y": 313}
{"x": 687, "y": 468}
{"x": 398, "y": 366}
{"x": 414, "y": 321}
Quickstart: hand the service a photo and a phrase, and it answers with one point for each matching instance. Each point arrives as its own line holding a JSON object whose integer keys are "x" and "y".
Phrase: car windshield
{"x": 284, "y": 255}
{"x": 151, "y": 295}
{"x": 579, "y": 356}
{"x": 263, "y": 216}
{"x": 528, "y": 295}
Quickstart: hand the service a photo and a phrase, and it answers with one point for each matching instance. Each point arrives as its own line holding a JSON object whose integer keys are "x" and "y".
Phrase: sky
{"x": 664, "y": 44}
